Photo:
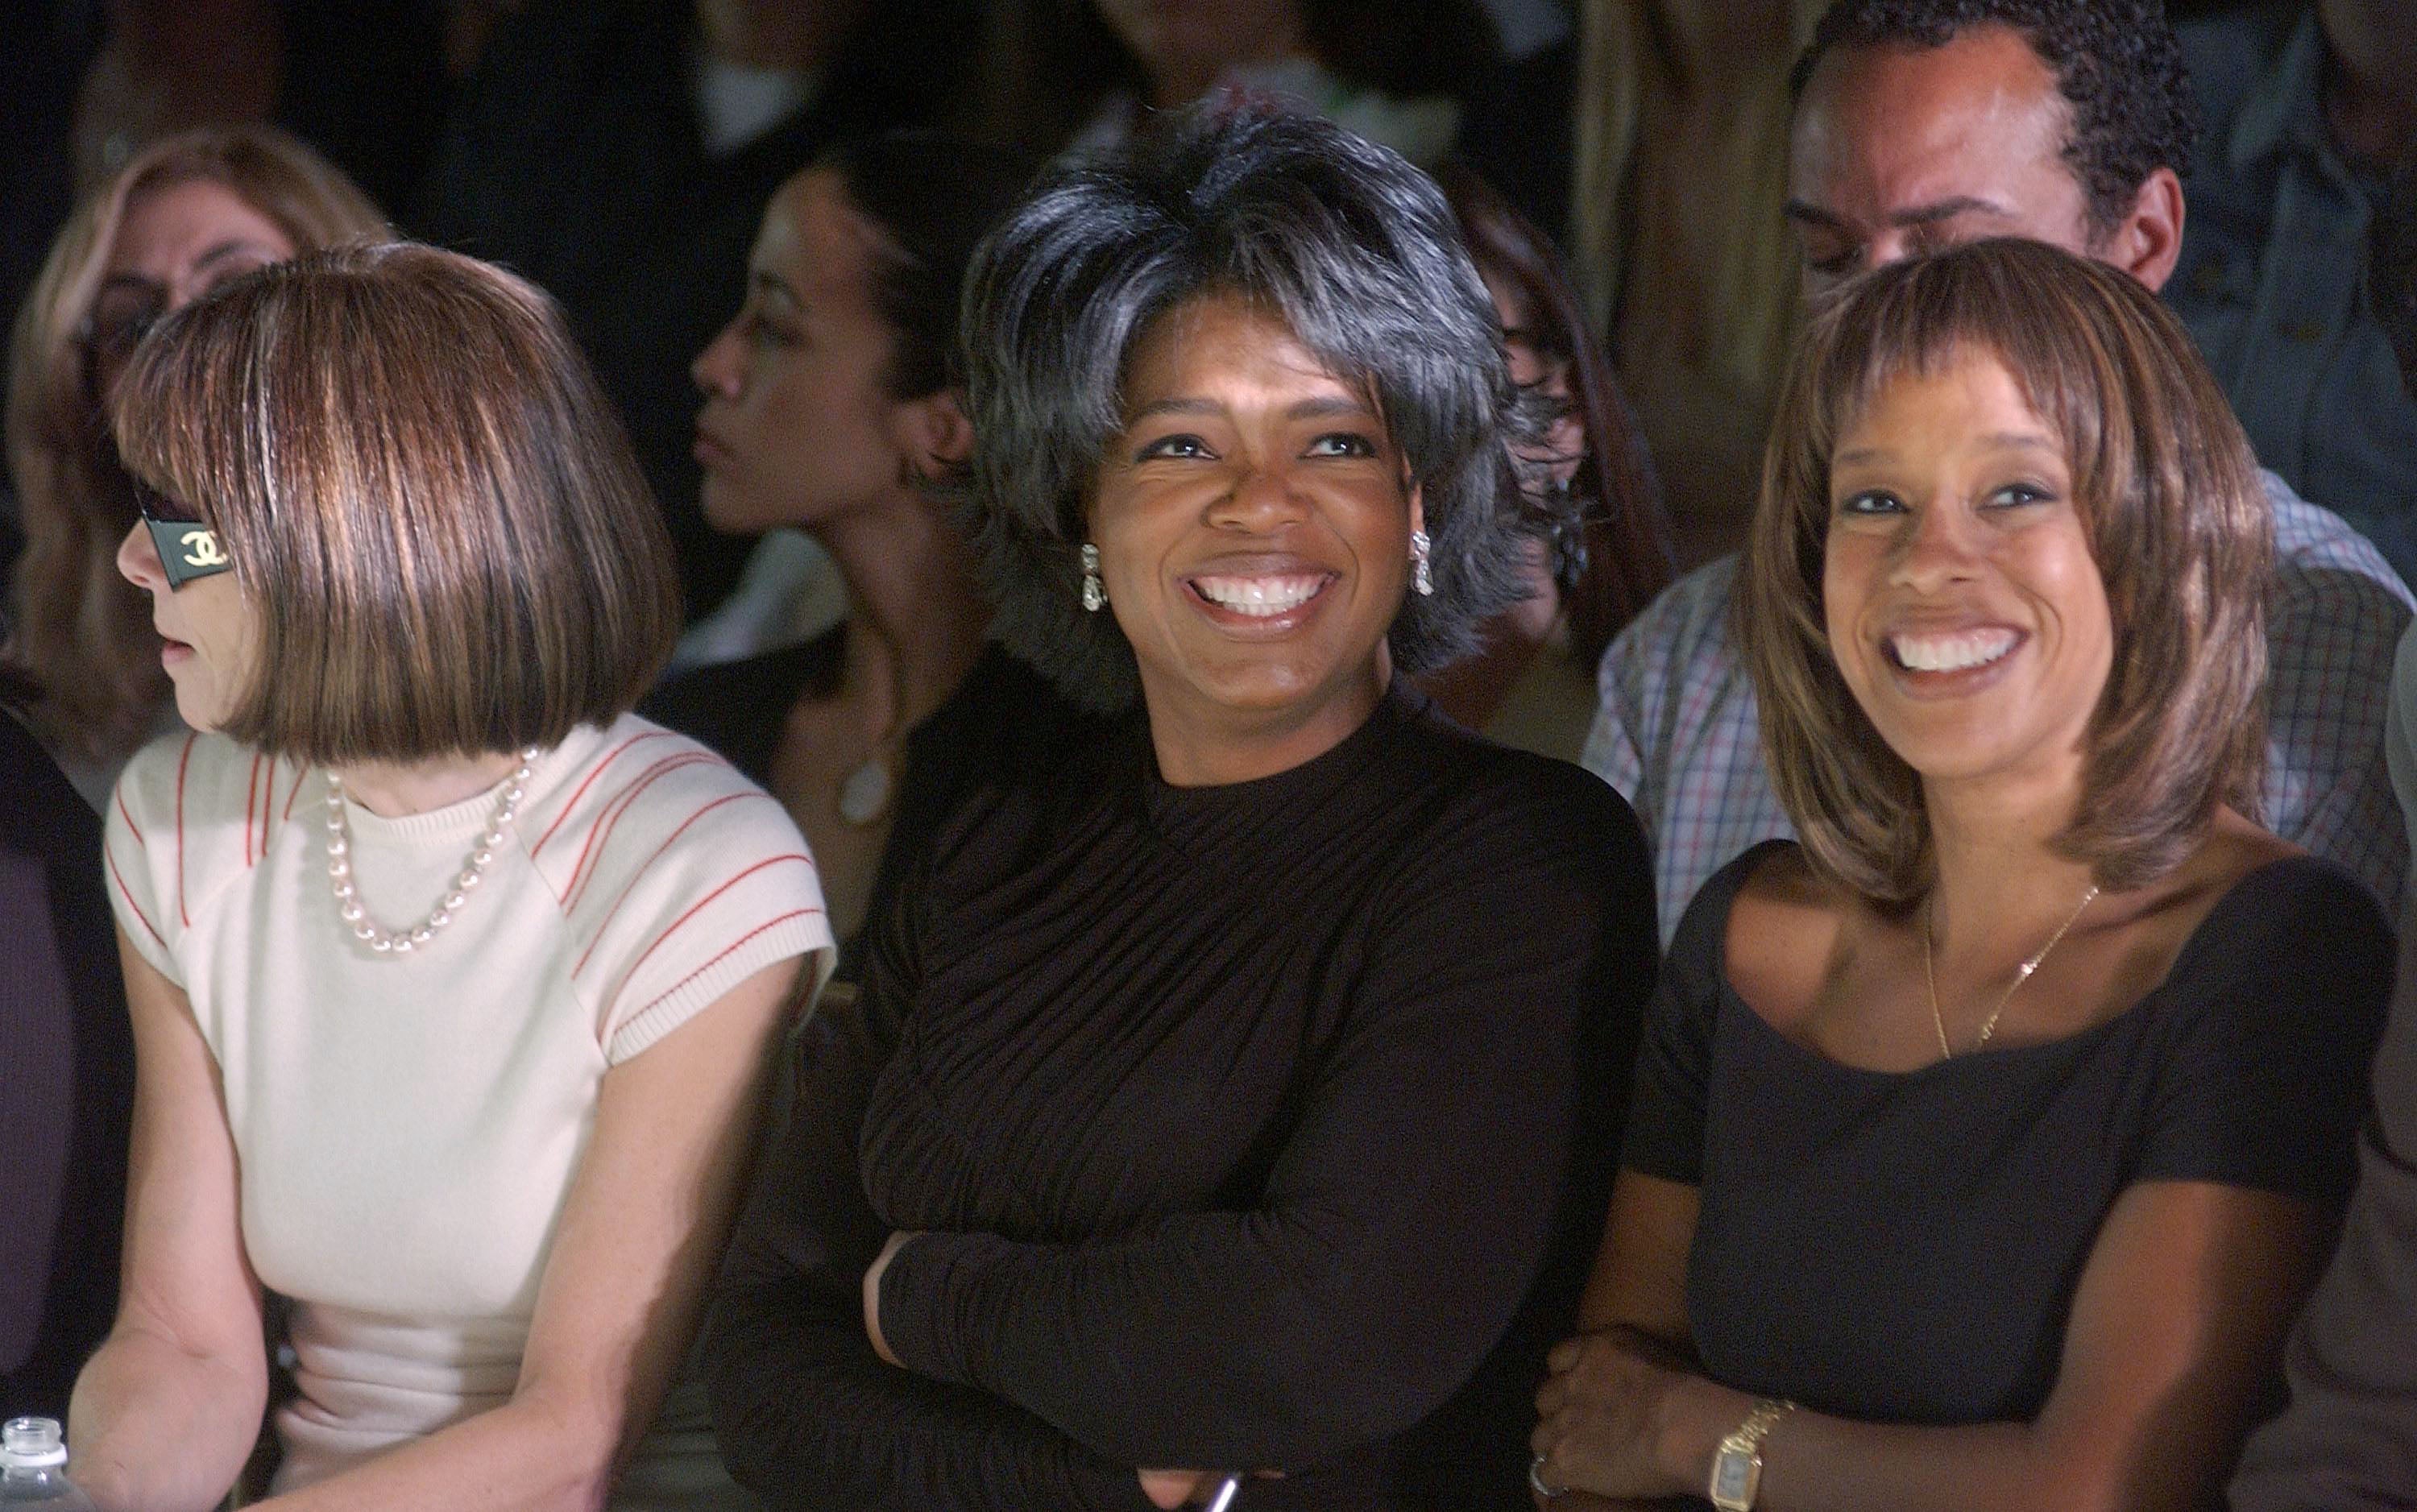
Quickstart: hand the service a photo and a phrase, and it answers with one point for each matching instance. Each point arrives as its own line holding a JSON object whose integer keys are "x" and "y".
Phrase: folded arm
{"x": 1405, "y": 1219}
{"x": 2181, "y": 1307}
{"x": 807, "y": 1415}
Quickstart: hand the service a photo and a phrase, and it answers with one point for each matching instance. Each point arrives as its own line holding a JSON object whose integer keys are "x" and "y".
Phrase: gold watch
{"x": 1736, "y": 1467}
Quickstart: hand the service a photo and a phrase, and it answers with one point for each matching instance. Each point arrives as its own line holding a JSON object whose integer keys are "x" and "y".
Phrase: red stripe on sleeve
{"x": 132, "y": 907}
{"x": 251, "y": 803}
{"x": 184, "y": 759}
{"x": 609, "y": 818}
{"x": 630, "y": 886}
{"x": 673, "y": 927}
{"x": 296, "y": 791}
{"x": 581, "y": 791}
{"x": 127, "y": 815}
{"x": 737, "y": 945}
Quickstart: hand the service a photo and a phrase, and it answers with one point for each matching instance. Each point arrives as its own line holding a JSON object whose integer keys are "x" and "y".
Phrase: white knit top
{"x": 408, "y": 1127}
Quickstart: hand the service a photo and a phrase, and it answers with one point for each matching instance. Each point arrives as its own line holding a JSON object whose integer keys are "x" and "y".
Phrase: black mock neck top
{"x": 1264, "y": 1125}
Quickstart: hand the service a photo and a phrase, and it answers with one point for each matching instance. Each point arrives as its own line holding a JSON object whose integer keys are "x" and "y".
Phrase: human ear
{"x": 2149, "y": 240}
{"x": 934, "y": 435}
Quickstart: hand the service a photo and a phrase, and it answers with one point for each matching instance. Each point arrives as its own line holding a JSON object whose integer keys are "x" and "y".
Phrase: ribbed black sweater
{"x": 1263, "y": 1127}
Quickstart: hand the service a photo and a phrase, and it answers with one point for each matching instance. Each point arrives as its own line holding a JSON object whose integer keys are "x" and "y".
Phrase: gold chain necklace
{"x": 2022, "y": 972}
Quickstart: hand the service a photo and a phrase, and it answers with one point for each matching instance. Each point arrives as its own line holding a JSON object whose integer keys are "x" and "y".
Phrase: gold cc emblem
{"x": 202, "y": 548}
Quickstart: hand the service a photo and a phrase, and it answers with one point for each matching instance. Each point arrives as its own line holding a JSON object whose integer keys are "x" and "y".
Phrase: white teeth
{"x": 1951, "y": 652}
{"x": 1259, "y": 597}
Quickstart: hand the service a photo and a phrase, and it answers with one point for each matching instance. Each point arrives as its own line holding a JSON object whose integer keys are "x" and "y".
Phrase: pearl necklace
{"x": 474, "y": 870}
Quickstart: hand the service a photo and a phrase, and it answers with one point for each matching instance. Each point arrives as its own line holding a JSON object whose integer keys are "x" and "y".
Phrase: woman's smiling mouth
{"x": 1951, "y": 651}
{"x": 1263, "y": 597}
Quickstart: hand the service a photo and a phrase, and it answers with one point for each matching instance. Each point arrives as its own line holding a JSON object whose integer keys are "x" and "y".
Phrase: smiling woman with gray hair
{"x": 1225, "y": 1095}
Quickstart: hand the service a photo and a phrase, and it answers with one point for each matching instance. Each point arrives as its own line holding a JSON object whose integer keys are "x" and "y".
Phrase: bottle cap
{"x": 31, "y": 1444}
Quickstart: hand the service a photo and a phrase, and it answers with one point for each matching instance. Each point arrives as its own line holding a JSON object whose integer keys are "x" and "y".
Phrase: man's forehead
{"x": 1889, "y": 130}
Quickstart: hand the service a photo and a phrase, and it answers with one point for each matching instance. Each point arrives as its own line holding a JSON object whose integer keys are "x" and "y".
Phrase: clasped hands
{"x": 1166, "y": 1489}
{"x": 1618, "y": 1422}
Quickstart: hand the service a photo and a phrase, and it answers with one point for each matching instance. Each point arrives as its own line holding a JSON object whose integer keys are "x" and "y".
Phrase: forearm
{"x": 807, "y": 1418}
{"x": 1813, "y": 1462}
{"x": 1409, "y": 1217}
{"x": 157, "y": 1428}
{"x": 525, "y": 1456}
{"x": 1107, "y": 1344}
{"x": 1817, "y": 1463}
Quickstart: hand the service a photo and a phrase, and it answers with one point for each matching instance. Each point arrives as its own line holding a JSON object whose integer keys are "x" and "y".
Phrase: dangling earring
{"x": 1095, "y": 592}
{"x": 1420, "y": 579}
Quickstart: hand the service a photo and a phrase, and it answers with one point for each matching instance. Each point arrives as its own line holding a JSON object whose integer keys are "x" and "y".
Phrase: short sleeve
{"x": 2280, "y": 1001}
{"x": 1665, "y": 1112}
{"x": 142, "y": 851}
{"x": 701, "y": 880}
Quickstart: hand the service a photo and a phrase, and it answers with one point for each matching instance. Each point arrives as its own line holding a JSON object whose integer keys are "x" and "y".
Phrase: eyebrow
{"x": 1995, "y": 440}
{"x": 128, "y": 280}
{"x": 1307, "y": 409}
{"x": 230, "y": 246}
{"x": 763, "y": 281}
{"x": 1920, "y": 215}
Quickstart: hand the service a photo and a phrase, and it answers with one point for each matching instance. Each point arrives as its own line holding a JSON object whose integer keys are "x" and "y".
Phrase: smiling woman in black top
{"x": 1225, "y": 1094}
{"x": 1983, "y": 1145}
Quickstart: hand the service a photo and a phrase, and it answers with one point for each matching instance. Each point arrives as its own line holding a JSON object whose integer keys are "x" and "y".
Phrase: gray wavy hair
{"x": 1352, "y": 246}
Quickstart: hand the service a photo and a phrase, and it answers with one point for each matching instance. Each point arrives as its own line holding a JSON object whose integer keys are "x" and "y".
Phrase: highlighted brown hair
{"x": 425, "y": 496}
{"x": 2177, "y": 524}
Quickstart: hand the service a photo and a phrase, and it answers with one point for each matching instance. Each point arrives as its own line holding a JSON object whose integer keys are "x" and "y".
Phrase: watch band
{"x": 1736, "y": 1467}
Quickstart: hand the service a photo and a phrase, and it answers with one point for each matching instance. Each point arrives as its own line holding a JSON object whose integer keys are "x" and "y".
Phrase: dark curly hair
{"x": 2115, "y": 62}
{"x": 1358, "y": 253}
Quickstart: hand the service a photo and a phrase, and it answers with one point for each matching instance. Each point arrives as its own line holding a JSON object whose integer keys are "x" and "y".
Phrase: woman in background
{"x": 832, "y": 403}
{"x": 184, "y": 216}
{"x": 1603, "y": 545}
{"x": 453, "y": 984}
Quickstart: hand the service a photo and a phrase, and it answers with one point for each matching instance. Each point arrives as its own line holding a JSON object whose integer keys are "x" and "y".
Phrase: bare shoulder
{"x": 1782, "y": 932}
{"x": 2149, "y": 935}
{"x": 2234, "y": 848}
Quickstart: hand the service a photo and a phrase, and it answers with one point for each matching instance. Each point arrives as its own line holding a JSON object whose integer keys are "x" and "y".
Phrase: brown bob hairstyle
{"x": 2177, "y": 524}
{"x": 426, "y": 499}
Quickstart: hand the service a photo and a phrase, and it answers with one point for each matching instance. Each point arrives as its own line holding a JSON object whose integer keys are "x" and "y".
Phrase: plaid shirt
{"x": 1676, "y": 729}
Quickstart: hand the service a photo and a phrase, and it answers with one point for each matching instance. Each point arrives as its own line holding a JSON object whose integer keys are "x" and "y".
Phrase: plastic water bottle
{"x": 33, "y": 1457}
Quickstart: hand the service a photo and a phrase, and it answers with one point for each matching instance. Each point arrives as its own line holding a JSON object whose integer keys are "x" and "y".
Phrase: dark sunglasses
{"x": 187, "y": 549}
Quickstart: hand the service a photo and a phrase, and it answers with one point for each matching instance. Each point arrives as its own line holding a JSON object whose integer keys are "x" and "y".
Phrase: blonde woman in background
{"x": 182, "y": 217}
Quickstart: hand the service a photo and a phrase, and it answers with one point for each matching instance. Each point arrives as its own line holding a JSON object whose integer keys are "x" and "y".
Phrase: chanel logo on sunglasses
{"x": 202, "y": 548}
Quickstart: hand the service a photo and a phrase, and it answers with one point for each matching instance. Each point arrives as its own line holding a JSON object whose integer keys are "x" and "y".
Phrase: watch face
{"x": 1735, "y": 1475}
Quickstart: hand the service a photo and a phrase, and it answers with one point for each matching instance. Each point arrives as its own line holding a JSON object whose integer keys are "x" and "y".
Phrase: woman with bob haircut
{"x": 471, "y": 975}
{"x": 1214, "y": 1102}
{"x": 183, "y": 215}
{"x": 1983, "y": 1145}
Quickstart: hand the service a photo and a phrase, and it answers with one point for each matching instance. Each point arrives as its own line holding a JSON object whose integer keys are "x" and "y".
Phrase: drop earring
{"x": 1095, "y": 592}
{"x": 1421, "y": 578}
